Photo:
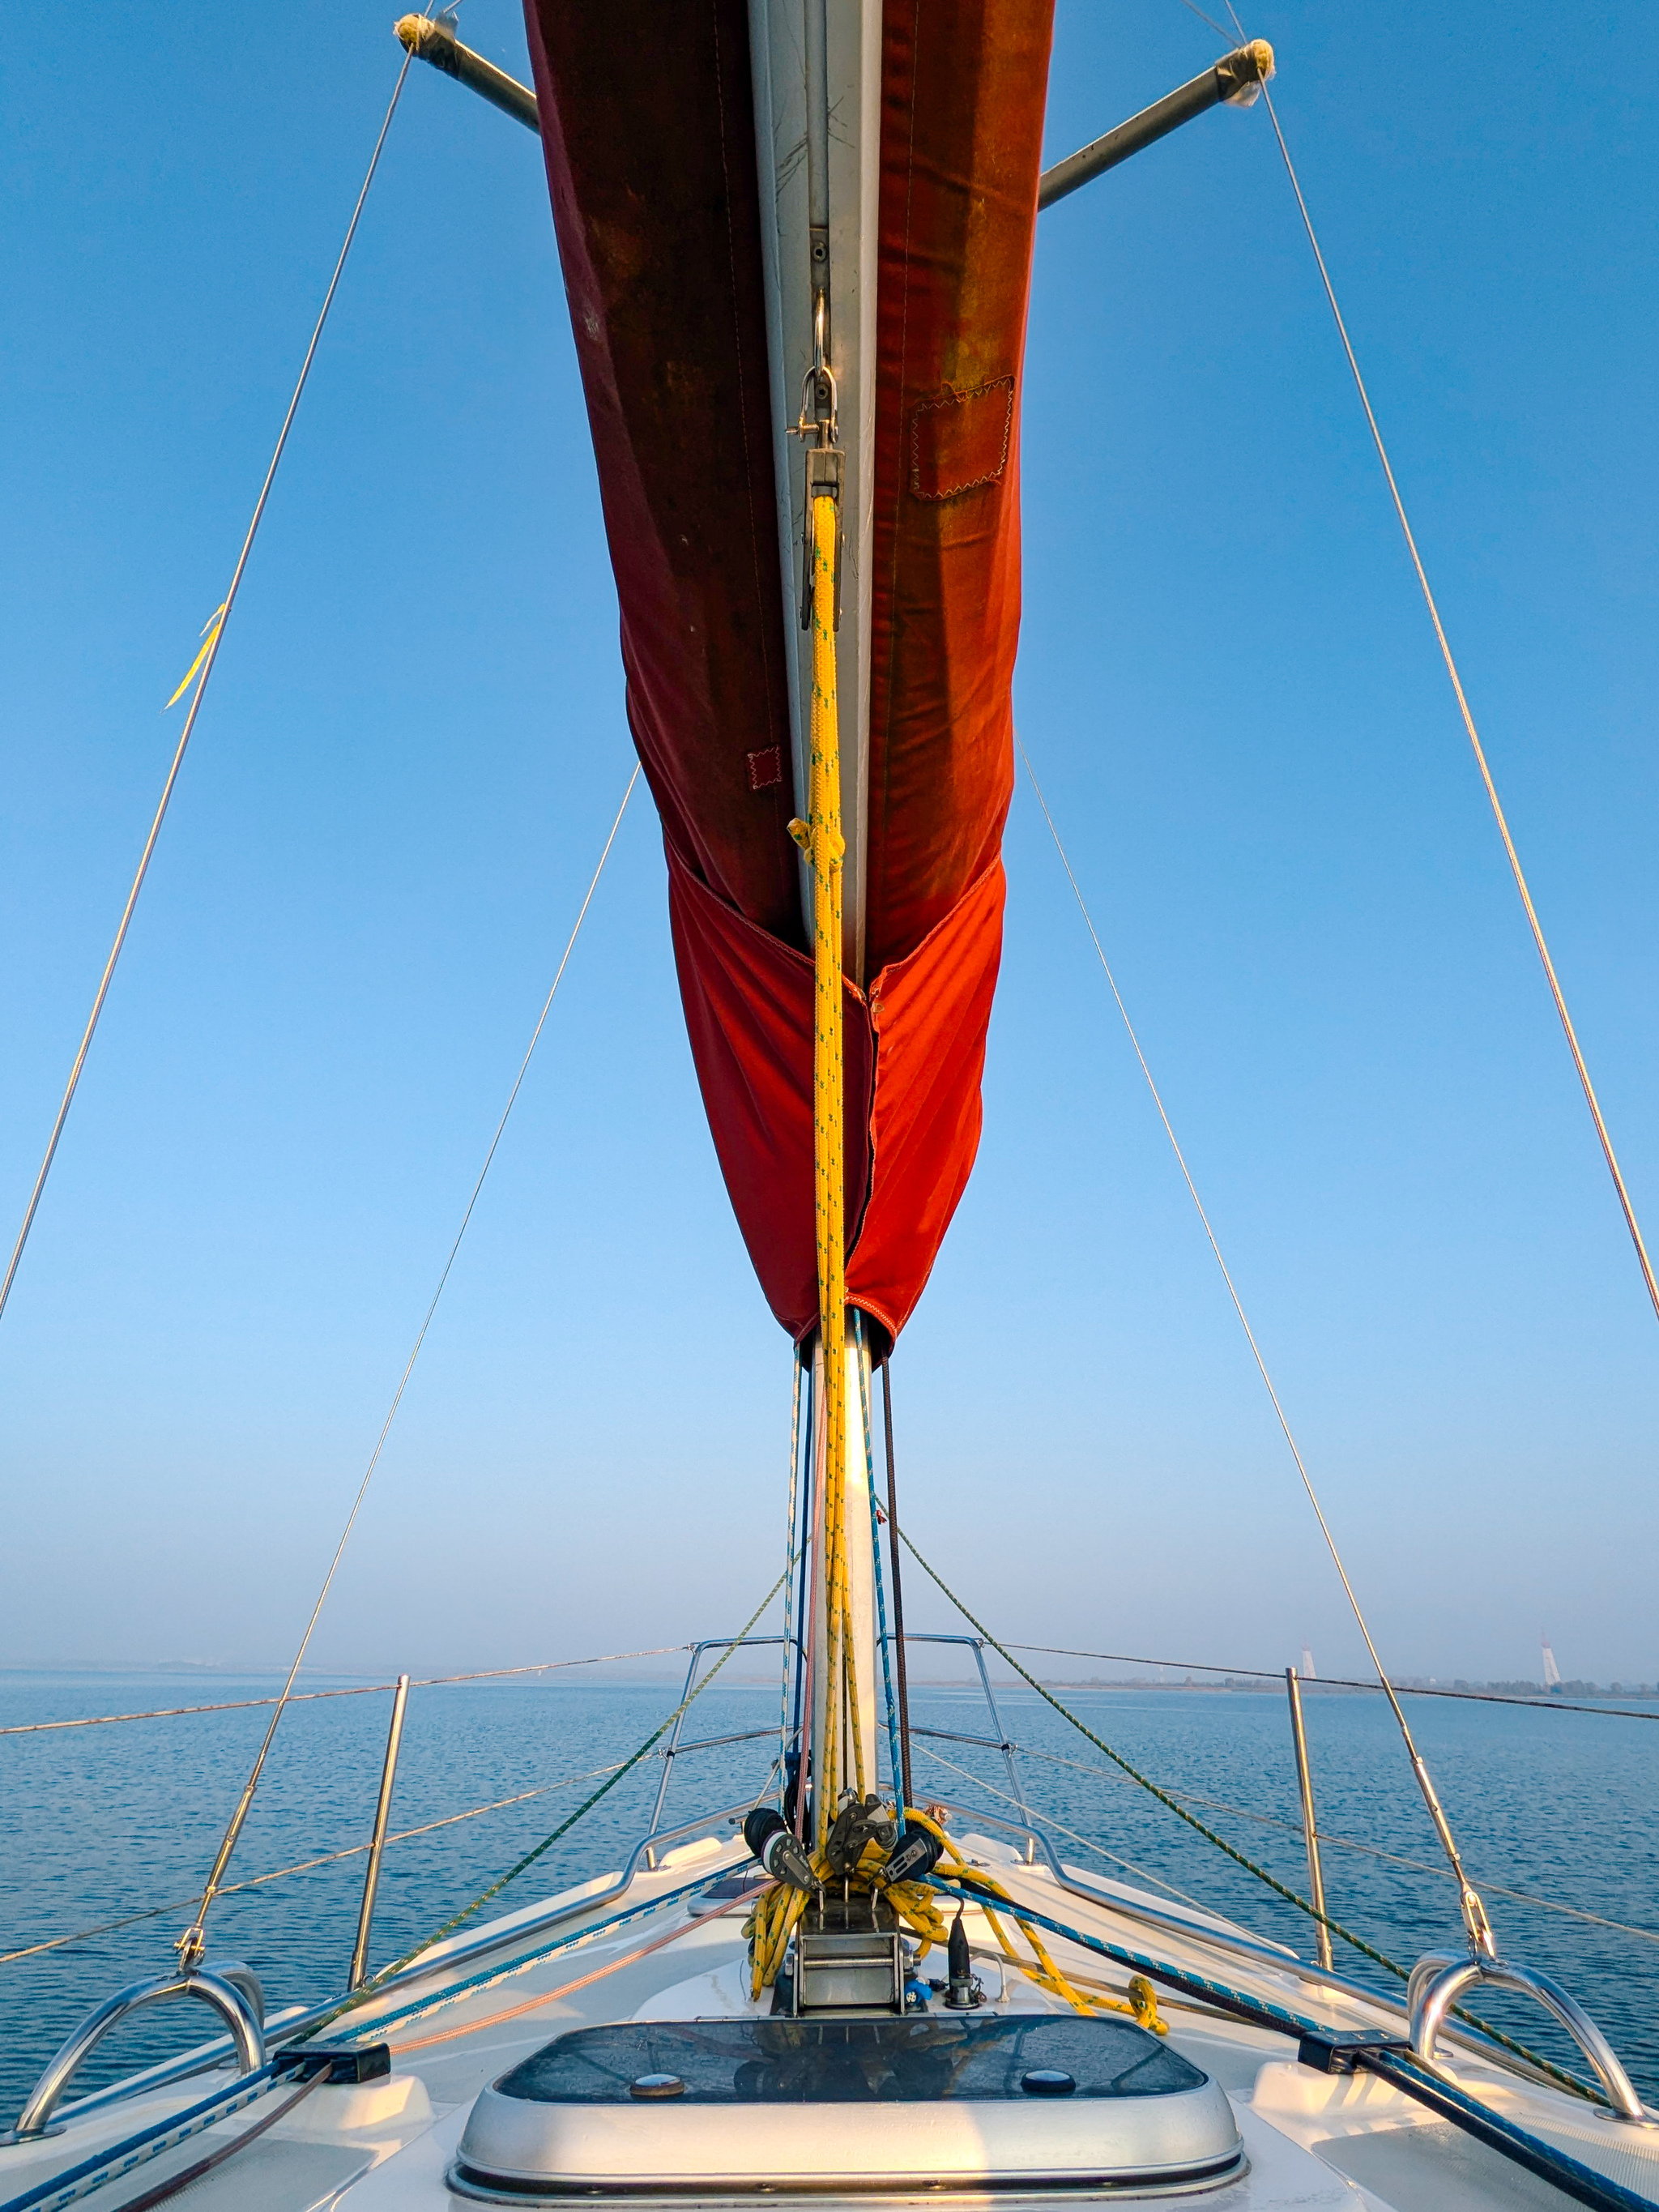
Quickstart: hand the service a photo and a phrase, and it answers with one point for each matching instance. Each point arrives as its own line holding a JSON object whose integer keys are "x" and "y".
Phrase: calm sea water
{"x": 98, "y": 1824}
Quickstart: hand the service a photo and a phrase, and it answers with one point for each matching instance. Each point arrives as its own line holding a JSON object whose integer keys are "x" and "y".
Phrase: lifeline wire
{"x": 1294, "y": 1828}
{"x": 1474, "y": 1914}
{"x": 1157, "y": 1881}
{"x": 357, "y": 1690}
{"x": 1370, "y": 1951}
{"x": 1514, "y": 858}
{"x": 204, "y": 661}
{"x": 1549, "y": 1704}
{"x": 309, "y": 1866}
{"x": 371, "y": 1988}
{"x": 1134, "y": 1774}
{"x": 656, "y": 1651}
{"x": 190, "y": 1943}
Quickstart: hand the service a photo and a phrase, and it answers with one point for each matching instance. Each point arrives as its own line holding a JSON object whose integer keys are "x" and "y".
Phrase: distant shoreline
{"x": 560, "y": 1676}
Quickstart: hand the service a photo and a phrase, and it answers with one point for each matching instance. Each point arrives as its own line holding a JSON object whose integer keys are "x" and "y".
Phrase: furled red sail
{"x": 647, "y": 118}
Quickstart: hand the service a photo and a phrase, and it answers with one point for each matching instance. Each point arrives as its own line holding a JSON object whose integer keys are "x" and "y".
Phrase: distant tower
{"x": 1552, "y": 1672}
{"x": 1308, "y": 1674}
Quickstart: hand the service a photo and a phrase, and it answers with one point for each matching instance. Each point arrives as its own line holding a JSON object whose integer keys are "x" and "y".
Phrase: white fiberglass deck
{"x": 1308, "y": 2140}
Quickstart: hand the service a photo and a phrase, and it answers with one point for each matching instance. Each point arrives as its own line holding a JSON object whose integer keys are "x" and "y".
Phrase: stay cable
{"x": 191, "y": 1943}
{"x": 1474, "y": 1915}
{"x": 1626, "y": 1205}
{"x": 205, "y": 660}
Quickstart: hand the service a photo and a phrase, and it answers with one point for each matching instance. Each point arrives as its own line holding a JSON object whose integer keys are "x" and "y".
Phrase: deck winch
{"x": 827, "y": 1939}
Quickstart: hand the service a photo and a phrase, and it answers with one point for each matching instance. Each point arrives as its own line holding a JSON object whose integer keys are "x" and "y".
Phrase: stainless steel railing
{"x": 231, "y": 1987}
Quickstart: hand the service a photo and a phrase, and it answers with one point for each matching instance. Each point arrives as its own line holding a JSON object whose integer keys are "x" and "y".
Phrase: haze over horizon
{"x": 414, "y": 746}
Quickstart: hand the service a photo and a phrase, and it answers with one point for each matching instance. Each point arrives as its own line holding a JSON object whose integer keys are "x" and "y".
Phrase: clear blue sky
{"x": 415, "y": 743}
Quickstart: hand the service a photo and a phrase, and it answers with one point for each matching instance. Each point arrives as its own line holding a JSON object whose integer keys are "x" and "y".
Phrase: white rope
{"x": 209, "y": 660}
{"x": 1473, "y": 1913}
{"x": 190, "y": 1943}
{"x": 1626, "y": 1205}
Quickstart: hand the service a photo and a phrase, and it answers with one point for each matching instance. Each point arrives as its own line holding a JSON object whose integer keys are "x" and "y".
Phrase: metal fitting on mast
{"x": 818, "y": 428}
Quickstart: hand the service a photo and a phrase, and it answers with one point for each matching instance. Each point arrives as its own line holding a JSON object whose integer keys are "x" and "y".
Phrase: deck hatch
{"x": 851, "y": 2061}
{"x": 944, "y": 2104}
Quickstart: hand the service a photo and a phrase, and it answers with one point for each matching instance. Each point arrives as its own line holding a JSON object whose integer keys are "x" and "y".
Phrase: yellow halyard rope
{"x": 820, "y": 838}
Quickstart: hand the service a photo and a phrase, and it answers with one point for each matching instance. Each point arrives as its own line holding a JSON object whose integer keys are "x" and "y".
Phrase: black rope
{"x": 898, "y": 1592}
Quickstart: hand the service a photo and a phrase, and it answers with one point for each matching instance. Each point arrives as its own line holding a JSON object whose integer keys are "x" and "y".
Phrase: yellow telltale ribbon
{"x": 210, "y": 630}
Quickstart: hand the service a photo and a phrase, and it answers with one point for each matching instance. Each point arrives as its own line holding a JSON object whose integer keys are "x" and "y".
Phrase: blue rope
{"x": 788, "y": 1578}
{"x": 893, "y": 1758}
{"x": 1455, "y": 2105}
{"x": 66, "y": 2188}
{"x": 373, "y": 2030}
{"x": 805, "y": 1512}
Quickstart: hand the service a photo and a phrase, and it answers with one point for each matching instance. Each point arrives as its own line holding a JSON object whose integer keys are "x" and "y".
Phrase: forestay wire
{"x": 192, "y": 1944}
{"x": 205, "y": 660}
{"x": 1626, "y": 1205}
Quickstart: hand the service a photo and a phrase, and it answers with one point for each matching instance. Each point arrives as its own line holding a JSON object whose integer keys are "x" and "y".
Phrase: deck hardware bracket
{"x": 825, "y": 467}
{"x": 340, "y": 2065}
{"x": 1338, "y": 2051}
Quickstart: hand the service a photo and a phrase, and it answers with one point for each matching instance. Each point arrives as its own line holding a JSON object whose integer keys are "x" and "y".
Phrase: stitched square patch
{"x": 960, "y": 439}
{"x": 765, "y": 767}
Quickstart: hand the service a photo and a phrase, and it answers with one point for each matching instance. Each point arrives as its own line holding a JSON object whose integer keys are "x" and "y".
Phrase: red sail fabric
{"x": 648, "y": 127}
{"x": 962, "y": 91}
{"x": 929, "y": 1014}
{"x": 748, "y": 1001}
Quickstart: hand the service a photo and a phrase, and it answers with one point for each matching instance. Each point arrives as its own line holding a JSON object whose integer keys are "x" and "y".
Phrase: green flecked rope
{"x": 373, "y": 1987}
{"x": 1473, "y": 2020}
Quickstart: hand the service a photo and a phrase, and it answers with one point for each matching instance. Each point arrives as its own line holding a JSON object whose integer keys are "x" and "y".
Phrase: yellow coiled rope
{"x": 920, "y": 1907}
{"x": 978, "y": 1886}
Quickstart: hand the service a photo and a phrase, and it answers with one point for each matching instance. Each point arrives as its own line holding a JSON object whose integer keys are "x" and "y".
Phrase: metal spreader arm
{"x": 429, "y": 38}
{"x": 1235, "y": 81}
